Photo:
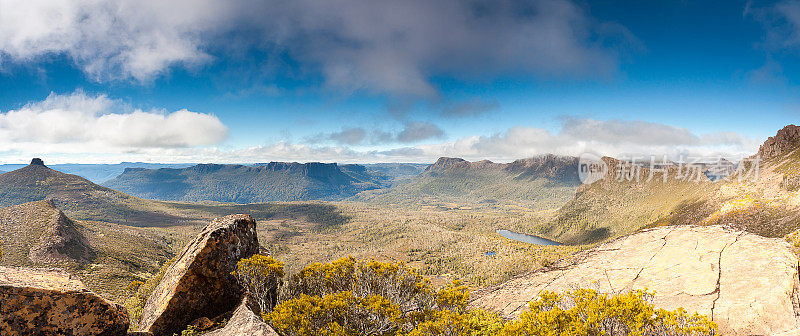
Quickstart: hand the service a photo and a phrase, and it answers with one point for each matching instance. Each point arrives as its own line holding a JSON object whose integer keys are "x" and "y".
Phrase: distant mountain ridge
{"x": 81, "y": 199}
{"x": 541, "y": 182}
{"x": 98, "y": 173}
{"x": 274, "y": 181}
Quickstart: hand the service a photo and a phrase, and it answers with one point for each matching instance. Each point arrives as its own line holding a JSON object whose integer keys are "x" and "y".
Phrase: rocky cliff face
{"x": 785, "y": 141}
{"x": 199, "y": 283}
{"x": 445, "y": 163}
{"x": 563, "y": 168}
{"x": 50, "y": 302}
{"x": 746, "y": 283}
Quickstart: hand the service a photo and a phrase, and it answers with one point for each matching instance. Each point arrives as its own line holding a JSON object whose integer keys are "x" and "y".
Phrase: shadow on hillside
{"x": 592, "y": 236}
{"x": 325, "y": 216}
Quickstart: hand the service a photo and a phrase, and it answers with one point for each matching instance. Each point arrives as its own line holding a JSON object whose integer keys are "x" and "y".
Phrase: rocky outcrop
{"x": 244, "y": 322}
{"x": 199, "y": 283}
{"x": 447, "y": 163}
{"x": 746, "y": 283}
{"x": 50, "y": 302}
{"x": 61, "y": 242}
{"x": 784, "y": 142}
{"x": 562, "y": 168}
{"x": 37, "y": 162}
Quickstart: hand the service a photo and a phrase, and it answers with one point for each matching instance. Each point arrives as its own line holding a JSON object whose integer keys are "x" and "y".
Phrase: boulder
{"x": 50, "y": 302}
{"x": 746, "y": 283}
{"x": 244, "y": 322}
{"x": 199, "y": 283}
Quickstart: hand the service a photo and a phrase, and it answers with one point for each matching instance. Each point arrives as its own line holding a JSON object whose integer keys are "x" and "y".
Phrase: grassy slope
{"x": 123, "y": 253}
{"x": 609, "y": 208}
{"x": 83, "y": 200}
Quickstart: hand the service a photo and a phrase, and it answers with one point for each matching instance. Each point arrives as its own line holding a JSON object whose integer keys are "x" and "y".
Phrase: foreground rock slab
{"x": 50, "y": 302}
{"x": 746, "y": 283}
{"x": 244, "y": 322}
{"x": 199, "y": 283}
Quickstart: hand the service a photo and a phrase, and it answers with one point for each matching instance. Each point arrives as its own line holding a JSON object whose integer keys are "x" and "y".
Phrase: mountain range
{"x": 98, "y": 173}
{"x": 535, "y": 183}
{"x": 274, "y": 181}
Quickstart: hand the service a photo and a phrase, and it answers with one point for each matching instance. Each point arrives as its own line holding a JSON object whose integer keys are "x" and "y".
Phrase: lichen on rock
{"x": 48, "y": 302}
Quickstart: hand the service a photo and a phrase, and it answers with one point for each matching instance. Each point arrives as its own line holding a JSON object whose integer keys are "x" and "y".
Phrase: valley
{"x": 482, "y": 223}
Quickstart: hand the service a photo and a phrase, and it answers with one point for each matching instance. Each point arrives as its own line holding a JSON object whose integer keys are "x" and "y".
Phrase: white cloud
{"x": 377, "y": 46}
{"x": 109, "y": 39}
{"x": 78, "y": 123}
{"x": 618, "y": 138}
{"x": 191, "y": 137}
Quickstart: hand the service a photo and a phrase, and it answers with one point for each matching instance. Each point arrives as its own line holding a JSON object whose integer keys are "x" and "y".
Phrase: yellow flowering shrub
{"x": 456, "y": 323}
{"x": 340, "y": 314}
{"x": 348, "y": 297}
{"x": 260, "y": 276}
{"x": 396, "y": 282}
{"x": 587, "y": 312}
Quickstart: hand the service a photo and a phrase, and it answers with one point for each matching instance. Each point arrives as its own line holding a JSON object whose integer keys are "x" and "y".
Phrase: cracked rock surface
{"x": 746, "y": 283}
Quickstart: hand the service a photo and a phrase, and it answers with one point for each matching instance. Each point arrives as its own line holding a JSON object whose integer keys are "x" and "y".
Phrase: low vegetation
{"x": 587, "y": 312}
{"x": 352, "y": 297}
{"x": 140, "y": 291}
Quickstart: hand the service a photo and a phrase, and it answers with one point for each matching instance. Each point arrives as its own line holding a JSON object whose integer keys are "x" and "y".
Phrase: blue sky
{"x": 374, "y": 81}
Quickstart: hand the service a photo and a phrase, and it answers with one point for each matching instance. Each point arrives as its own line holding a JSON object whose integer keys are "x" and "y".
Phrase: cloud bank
{"x": 635, "y": 139}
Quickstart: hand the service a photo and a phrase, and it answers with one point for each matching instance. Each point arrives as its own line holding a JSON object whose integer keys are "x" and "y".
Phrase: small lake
{"x": 526, "y": 238}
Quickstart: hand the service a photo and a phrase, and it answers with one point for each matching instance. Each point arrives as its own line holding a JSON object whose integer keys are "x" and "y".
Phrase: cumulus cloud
{"x": 81, "y": 123}
{"x": 377, "y": 46}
